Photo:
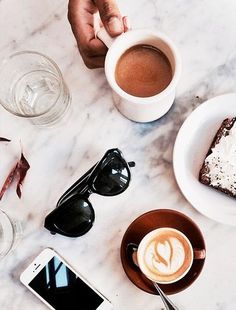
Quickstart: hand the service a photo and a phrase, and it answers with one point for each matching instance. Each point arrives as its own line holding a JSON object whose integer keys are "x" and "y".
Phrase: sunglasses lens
{"x": 113, "y": 178}
{"x": 76, "y": 218}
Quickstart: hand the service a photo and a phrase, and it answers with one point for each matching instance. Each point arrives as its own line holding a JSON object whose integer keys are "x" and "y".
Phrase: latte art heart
{"x": 165, "y": 256}
{"x": 163, "y": 252}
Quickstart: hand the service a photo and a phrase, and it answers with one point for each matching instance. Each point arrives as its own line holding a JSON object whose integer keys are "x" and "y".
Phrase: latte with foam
{"x": 165, "y": 255}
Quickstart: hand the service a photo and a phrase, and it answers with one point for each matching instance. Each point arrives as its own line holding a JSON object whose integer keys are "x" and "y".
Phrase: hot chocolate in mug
{"x": 141, "y": 109}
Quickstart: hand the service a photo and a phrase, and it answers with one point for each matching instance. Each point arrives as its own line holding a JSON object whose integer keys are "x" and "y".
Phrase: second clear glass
{"x": 32, "y": 86}
{"x": 10, "y": 233}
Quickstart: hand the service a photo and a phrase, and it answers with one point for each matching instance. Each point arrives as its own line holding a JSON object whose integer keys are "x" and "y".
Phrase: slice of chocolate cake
{"x": 219, "y": 167}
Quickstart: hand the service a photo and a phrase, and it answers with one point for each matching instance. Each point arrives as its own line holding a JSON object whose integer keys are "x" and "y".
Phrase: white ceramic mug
{"x": 141, "y": 109}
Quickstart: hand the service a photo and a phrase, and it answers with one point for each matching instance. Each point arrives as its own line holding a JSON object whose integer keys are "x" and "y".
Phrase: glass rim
{"x": 10, "y": 243}
{"x": 61, "y": 81}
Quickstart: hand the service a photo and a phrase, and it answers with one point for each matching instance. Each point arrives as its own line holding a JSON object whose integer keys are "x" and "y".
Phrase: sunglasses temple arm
{"x": 75, "y": 187}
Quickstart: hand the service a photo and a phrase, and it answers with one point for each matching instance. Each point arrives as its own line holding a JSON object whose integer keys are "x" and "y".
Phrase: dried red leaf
{"x": 18, "y": 171}
{"x": 22, "y": 168}
{"x": 9, "y": 180}
{"x": 4, "y": 139}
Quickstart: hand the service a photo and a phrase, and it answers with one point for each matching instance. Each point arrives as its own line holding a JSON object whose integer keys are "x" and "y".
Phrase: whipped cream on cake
{"x": 222, "y": 162}
{"x": 219, "y": 167}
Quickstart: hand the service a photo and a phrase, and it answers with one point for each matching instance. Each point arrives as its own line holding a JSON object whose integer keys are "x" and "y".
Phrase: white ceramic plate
{"x": 191, "y": 145}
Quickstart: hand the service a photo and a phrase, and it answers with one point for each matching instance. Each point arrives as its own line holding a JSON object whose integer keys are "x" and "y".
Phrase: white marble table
{"x": 205, "y": 33}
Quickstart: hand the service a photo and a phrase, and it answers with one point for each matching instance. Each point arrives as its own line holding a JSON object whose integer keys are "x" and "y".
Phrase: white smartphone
{"x": 51, "y": 279}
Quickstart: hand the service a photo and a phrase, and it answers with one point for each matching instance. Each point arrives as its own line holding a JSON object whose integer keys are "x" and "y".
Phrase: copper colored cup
{"x": 157, "y": 219}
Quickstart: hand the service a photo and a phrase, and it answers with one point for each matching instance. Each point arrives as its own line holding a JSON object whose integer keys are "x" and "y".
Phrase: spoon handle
{"x": 167, "y": 302}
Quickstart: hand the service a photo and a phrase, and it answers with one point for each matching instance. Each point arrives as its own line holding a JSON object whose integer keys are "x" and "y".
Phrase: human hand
{"x": 81, "y": 17}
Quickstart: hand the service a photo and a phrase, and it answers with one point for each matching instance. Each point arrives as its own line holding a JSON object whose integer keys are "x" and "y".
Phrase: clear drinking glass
{"x": 10, "y": 233}
{"x": 32, "y": 86}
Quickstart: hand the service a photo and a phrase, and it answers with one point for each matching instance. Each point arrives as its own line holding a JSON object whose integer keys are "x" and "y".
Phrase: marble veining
{"x": 204, "y": 31}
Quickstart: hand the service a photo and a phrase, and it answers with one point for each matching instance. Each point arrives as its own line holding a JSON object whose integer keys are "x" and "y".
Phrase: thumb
{"x": 110, "y": 16}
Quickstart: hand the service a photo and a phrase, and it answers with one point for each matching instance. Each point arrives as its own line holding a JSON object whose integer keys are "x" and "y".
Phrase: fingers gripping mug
{"x": 141, "y": 108}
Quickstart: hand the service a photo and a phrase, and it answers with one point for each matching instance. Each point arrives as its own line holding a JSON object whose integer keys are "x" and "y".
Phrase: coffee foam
{"x": 143, "y": 71}
{"x": 165, "y": 256}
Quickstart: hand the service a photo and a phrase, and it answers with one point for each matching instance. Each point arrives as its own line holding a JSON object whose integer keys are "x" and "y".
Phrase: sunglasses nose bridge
{"x": 87, "y": 192}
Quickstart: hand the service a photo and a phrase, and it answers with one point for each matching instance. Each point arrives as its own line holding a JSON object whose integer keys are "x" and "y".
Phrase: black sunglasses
{"x": 74, "y": 214}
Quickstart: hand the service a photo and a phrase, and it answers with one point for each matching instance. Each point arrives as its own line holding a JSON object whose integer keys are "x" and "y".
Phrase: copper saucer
{"x": 148, "y": 222}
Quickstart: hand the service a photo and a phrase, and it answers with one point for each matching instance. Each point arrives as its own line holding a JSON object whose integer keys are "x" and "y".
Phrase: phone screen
{"x": 63, "y": 289}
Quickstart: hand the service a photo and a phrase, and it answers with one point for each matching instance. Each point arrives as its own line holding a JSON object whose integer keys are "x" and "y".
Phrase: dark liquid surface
{"x": 143, "y": 71}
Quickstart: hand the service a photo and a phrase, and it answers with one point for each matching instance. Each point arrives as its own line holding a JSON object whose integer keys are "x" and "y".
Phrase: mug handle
{"x": 104, "y": 36}
{"x": 100, "y": 31}
{"x": 199, "y": 253}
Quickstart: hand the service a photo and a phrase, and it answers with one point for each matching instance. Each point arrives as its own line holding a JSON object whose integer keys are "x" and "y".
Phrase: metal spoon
{"x": 132, "y": 254}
